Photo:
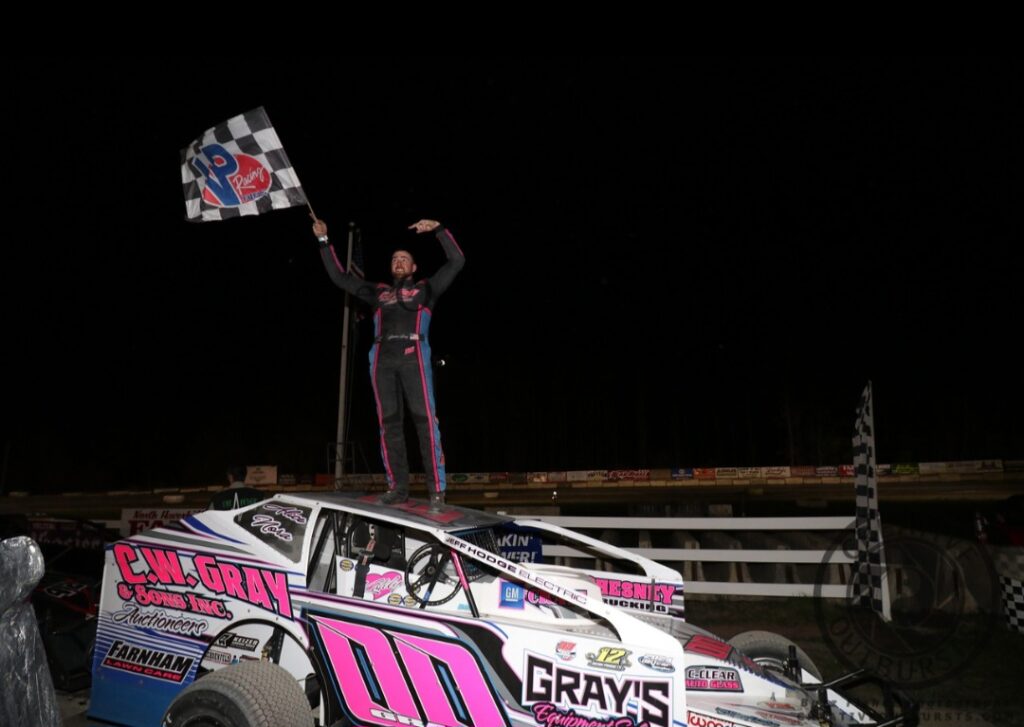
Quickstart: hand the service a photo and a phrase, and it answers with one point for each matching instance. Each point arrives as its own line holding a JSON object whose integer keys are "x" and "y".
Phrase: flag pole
{"x": 341, "y": 443}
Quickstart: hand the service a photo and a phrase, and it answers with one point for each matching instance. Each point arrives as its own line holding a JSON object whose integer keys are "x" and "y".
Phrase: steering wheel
{"x": 428, "y": 567}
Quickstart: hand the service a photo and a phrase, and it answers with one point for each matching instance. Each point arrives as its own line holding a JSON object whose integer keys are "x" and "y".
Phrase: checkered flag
{"x": 1013, "y": 602}
{"x": 238, "y": 168}
{"x": 870, "y": 584}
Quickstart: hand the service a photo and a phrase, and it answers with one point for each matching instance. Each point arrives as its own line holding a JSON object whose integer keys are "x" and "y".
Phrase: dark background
{"x": 670, "y": 262}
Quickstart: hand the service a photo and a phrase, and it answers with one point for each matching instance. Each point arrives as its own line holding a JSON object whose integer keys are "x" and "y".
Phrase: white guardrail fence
{"x": 748, "y": 556}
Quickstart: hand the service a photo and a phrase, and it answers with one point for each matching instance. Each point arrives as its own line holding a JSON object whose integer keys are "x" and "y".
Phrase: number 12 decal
{"x": 394, "y": 678}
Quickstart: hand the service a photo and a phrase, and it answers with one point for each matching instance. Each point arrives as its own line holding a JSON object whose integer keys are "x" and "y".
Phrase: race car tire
{"x": 771, "y": 650}
{"x": 252, "y": 694}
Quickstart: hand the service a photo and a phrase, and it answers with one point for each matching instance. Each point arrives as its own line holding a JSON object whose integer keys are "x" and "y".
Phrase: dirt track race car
{"x": 332, "y": 609}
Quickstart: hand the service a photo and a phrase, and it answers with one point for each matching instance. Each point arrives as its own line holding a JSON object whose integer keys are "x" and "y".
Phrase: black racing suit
{"x": 400, "y": 366}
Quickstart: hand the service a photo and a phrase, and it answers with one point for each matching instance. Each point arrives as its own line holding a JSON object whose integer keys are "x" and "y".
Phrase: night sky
{"x": 670, "y": 262}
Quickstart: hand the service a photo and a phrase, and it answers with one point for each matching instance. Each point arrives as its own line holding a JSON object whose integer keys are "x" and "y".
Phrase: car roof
{"x": 413, "y": 511}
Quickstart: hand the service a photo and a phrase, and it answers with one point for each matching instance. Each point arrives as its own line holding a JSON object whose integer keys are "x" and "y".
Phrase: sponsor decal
{"x": 346, "y": 565}
{"x": 713, "y": 679}
{"x": 279, "y": 526}
{"x": 637, "y": 595}
{"x": 65, "y": 533}
{"x": 747, "y": 717}
{"x": 846, "y": 470}
{"x": 682, "y": 473}
{"x": 220, "y": 657}
{"x": 704, "y": 473}
{"x": 397, "y": 599}
{"x": 552, "y": 716}
{"x": 546, "y": 682}
{"x": 637, "y": 475}
{"x": 776, "y": 472}
{"x": 267, "y": 525}
{"x": 237, "y": 641}
{"x": 609, "y": 657}
{"x": 413, "y": 674}
{"x": 696, "y": 719}
{"x": 783, "y": 712}
{"x": 148, "y": 596}
{"x": 512, "y": 595}
{"x": 142, "y": 567}
{"x": 657, "y": 663}
{"x": 381, "y": 584}
{"x": 147, "y": 662}
{"x": 827, "y": 471}
{"x": 520, "y": 546}
{"x": 907, "y": 468}
{"x": 295, "y": 514}
{"x": 539, "y": 599}
{"x": 566, "y": 650}
{"x": 509, "y": 567}
{"x": 779, "y": 706}
{"x": 131, "y": 615}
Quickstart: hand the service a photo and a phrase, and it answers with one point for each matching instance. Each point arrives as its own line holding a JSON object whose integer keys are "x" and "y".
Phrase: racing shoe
{"x": 436, "y": 501}
{"x": 393, "y": 497}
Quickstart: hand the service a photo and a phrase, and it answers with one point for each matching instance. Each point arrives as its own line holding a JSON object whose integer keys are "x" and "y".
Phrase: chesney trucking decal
{"x": 638, "y": 595}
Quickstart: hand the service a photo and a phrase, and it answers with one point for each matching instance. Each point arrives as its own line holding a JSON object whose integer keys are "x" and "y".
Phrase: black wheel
{"x": 253, "y": 694}
{"x": 431, "y": 565}
{"x": 771, "y": 651}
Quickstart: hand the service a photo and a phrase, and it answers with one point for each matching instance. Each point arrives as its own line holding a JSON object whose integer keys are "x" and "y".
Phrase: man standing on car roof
{"x": 400, "y": 366}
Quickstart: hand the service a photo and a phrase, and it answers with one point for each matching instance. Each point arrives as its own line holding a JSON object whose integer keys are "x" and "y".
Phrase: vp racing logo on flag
{"x": 231, "y": 179}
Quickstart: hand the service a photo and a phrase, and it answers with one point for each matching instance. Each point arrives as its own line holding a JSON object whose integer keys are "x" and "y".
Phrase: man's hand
{"x": 319, "y": 228}
{"x": 425, "y": 226}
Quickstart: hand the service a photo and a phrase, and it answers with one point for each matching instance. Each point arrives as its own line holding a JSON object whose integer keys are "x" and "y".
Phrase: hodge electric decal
{"x": 638, "y": 596}
{"x": 498, "y": 562}
{"x": 148, "y": 662}
{"x": 566, "y": 689}
{"x": 145, "y": 567}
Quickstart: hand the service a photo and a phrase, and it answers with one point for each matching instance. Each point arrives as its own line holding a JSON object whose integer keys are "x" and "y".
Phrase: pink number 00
{"x": 444, "y": 675}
